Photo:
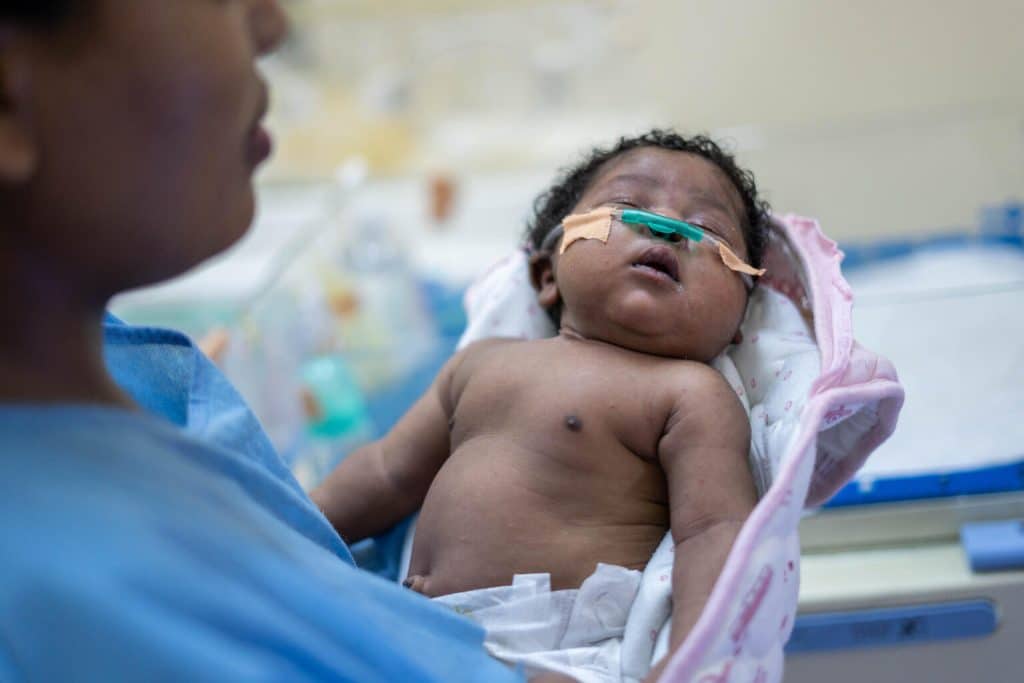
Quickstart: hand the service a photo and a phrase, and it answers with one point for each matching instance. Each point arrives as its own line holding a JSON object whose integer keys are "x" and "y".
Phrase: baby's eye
{"x": 624, "y": 202}
{"x": 711, "y": 231}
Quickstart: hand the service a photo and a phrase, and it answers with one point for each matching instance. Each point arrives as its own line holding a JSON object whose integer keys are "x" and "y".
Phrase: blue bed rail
{"x": 995, "y": 479}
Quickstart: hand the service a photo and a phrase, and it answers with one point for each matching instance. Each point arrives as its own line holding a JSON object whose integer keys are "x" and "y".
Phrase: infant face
{"x": 645, "y": 293}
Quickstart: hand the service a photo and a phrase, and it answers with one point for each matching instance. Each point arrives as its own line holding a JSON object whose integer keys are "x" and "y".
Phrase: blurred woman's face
{"x": 145, "y": 121}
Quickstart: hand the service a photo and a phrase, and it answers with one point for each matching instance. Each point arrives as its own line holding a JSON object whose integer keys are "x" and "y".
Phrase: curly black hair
{"x": 557, "y": 202}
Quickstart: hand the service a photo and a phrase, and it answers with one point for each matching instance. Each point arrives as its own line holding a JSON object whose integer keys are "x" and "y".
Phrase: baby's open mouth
{"x": 661, "y": 260}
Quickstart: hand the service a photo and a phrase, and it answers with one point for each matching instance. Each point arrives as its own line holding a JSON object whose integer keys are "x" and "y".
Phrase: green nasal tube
{"x": 662, "y": 225}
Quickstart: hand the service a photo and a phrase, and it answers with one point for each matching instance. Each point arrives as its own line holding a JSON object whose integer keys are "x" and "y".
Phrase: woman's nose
{"x": 269, "y": 25}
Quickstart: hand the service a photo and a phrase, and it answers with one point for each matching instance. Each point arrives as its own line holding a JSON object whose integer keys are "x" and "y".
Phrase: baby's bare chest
{"x": 563, "y": 401}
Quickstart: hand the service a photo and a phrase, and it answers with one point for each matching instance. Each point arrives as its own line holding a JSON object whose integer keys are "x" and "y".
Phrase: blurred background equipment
{"x": 413, "y": 135}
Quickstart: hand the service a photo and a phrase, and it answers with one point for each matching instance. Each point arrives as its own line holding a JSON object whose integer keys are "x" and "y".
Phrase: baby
{"x": 559, "y": 455}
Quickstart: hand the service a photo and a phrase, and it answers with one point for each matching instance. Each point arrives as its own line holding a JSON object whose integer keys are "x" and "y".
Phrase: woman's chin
{"x": 229, "y": 231}
{"x": 148, "y": 273}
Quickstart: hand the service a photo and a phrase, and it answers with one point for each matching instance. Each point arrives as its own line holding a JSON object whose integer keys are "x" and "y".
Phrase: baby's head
{"x": 636, "y": 290}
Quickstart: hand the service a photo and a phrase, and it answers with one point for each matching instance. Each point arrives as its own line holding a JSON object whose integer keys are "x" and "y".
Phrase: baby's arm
{"x": 381, "y": 483}
{"x": 710, "y": 490}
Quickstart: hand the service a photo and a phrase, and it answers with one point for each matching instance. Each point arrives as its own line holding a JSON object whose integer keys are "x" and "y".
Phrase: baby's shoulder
{"x": 482, "y": 353}
{"x": 491, "y": 343}
{"x": 490, "y": 348}
{"x": 697, "y": 385}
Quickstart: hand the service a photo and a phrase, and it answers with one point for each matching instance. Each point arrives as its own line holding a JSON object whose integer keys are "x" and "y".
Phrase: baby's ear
{"x": 542, "y": 277}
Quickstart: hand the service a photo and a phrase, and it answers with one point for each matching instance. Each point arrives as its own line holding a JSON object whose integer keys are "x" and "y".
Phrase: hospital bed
{"x": 915, "y": 571}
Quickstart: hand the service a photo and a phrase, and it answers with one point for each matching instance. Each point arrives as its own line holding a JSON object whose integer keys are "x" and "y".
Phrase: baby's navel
{"x": 573, "y": 423}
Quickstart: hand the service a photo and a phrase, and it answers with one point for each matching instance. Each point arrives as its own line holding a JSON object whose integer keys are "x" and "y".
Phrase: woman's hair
{"x": 38, "y": 13}
{"x": 554, "y": 204}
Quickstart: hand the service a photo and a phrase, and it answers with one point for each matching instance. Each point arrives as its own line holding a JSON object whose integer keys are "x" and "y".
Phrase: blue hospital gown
{"x": 173, "y": 545}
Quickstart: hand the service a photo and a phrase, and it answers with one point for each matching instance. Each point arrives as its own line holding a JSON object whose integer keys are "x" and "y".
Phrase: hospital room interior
{"x": 412, "y": 137}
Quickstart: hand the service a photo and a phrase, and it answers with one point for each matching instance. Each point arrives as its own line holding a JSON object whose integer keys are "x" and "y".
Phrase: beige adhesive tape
{"x": 734, "y": 262}
{"x": 593, "y": 225}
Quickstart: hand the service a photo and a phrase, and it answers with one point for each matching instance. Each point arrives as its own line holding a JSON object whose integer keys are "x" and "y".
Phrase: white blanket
{"x": 577, "y": 632}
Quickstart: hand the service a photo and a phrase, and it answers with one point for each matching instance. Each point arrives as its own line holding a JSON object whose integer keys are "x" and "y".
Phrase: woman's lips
{"x": 260, "y": 145}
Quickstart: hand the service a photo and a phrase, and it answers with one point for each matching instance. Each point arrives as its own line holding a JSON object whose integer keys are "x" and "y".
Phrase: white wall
{"x": 810, "y": 62}
{"x": 876, "y": 116}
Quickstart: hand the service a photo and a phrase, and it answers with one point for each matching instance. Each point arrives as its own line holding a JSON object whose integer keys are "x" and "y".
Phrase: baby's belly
{"x": 496, "y": 510}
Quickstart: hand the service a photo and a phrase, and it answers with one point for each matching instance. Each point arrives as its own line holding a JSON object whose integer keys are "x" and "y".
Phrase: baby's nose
{"x": 661, "y": 234}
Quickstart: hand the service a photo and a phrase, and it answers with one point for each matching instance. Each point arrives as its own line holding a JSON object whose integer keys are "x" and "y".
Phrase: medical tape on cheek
{"x": 593, "y": 225}
{"x": 734, "y": 262}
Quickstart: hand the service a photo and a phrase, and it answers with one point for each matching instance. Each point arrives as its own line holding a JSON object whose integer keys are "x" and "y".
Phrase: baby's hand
{"x": 416, "y": 583}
